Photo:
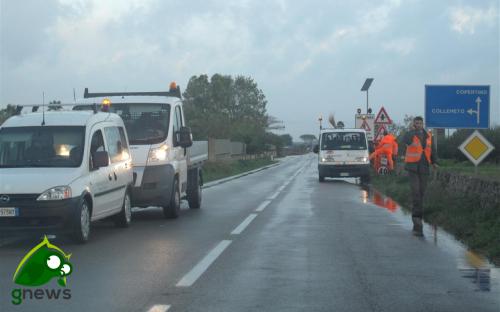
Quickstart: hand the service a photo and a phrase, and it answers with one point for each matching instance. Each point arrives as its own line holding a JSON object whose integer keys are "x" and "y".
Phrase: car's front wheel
{"x": 81, "y": 230}
{"x": 124, "y": 218}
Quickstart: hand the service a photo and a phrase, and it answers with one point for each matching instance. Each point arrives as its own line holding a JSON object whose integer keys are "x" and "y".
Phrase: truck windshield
{"x": 343, "y": 141}
{"x": 41, "y": 146}
{"x": 145, "y": 123}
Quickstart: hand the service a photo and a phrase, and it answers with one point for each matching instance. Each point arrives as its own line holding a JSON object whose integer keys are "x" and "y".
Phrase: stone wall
{"x": 454, "y": 183}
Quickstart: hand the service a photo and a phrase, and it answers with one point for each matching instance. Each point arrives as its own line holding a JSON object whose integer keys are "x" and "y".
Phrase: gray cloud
{"x": 309, "y": 57}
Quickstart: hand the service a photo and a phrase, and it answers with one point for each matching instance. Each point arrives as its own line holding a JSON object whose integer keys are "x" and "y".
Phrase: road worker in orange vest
{"x": 420, "y": 155}
{"x": 386, "y": 146}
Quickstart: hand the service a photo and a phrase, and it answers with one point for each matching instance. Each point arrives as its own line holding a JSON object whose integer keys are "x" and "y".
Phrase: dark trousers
{"x": 418, "y": 184}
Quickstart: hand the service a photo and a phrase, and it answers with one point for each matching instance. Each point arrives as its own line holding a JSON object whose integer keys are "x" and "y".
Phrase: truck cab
{"x": 159, "y": 145}
{"x": 343, "y": 153}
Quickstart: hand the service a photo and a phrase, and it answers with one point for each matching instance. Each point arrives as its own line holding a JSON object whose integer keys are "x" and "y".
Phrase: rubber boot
{"x": 417, "y": 226}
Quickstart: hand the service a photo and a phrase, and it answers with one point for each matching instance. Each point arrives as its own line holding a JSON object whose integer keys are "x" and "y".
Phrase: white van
{"x": 166, "y": 165}
{"x": 343, "y": 153}
{"x": 60, "y": 170}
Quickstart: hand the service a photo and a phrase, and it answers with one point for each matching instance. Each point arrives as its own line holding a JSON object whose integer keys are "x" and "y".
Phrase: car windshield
{"x": 145, "y": 123}
{"x": 343, "y": 141}
{"x": 41, "y": 146}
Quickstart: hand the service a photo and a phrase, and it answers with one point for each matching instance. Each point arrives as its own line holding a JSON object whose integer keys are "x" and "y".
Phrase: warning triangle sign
{"x": 365, "y": 126}
{"x": 383, "y": 117}
{"x": 380, "y": 133}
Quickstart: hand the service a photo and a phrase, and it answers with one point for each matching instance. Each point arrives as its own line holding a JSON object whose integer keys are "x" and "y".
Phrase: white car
{"x": 343, "y": 153}
{"x": 60, "y": 170}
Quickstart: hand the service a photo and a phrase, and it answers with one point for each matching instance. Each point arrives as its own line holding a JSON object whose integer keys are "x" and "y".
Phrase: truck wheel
{"x": 194, "y": 192}
{"x": 321, "y": 178}
{"x": 365, "y": 179}
{"x": 124, "y": 218}
{"x": 82, "y": 223}
{"x": 173, "y": 208}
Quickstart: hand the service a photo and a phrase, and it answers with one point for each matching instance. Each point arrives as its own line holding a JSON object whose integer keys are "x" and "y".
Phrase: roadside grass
{"x": 218, "y": 170}
{"x": 490, "y": 171}
{"x": 459, "y": 214}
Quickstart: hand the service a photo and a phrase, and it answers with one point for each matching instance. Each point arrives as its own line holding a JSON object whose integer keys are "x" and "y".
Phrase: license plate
{"x": 9, "y": 212}
{"x": 344, "y": 174}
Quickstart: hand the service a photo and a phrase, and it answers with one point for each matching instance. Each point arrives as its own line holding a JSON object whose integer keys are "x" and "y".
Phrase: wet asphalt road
{"x": 310, "y": 247}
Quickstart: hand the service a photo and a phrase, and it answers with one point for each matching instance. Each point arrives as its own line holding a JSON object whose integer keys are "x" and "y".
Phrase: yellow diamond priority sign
{"x": 476, "y": 147}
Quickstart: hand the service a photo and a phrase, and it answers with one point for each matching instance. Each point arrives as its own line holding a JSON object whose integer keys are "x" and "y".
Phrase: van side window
{"x": 117, "y": 148}
{"x": 179, "y": 116}
{"x": 125, "y": 154}
{"x": 177, "y": 123}
{"x": 96, "y": 145}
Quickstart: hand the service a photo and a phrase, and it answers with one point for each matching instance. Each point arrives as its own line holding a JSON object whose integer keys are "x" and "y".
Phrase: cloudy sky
{"x": 309, "y": 57}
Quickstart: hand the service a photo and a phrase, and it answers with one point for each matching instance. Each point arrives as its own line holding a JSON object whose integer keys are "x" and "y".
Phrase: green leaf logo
{"x": 43, "y": 263}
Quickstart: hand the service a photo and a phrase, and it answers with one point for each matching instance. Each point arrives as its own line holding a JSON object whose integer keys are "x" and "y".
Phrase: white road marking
{"x": 274, "y": 195}
{"x": 243, "y": 225}
{"x": 191, "y": 277}
{"x": 8, "y": 241}
{"x": 263, "y": 205}
{"x": 159, "y": 308}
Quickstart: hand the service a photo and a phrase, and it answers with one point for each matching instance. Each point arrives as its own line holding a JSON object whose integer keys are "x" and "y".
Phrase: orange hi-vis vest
{"x": 414, "y": 150}
{"x": 387, "y": 143}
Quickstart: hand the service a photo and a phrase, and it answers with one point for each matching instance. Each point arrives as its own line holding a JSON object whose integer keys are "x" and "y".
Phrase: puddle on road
{"x": 379, "y": 199}
{"x": 472, "y": 266}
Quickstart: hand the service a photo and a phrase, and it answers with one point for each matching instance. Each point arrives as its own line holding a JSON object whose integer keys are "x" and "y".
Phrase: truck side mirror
{"x": 184, "y": 136}
{"x": 316, "y": 149}
{"x": 100, "y": 159}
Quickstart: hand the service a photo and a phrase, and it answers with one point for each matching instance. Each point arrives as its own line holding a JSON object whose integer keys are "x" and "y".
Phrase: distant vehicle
{"x": 166, "y": 163}
{"x": 60, "y": 170}
{"x": 343, "y": 153}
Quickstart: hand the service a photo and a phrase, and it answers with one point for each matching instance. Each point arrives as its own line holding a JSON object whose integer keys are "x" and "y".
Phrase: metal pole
{"x": 366, "y": 101}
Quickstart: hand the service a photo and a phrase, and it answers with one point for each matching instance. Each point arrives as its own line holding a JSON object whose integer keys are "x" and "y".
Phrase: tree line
{"x": 231, "y": 108}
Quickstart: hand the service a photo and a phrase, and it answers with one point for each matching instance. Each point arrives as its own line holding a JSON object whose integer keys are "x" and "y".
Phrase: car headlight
{"x": 158, "y": 153}
{"x": 327, "y": 159}
{"x": 56, "y": 193}
{"x": 362, "y": 159}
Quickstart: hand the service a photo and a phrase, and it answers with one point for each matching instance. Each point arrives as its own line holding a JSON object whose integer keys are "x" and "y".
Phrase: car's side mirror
{"x": 184, "y": 137}
{"x": 100, "y": 159}
{"x": 316, "y": 149}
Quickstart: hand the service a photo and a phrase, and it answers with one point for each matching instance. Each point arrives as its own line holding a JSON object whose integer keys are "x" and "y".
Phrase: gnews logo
{"x": 21, "y": 294}
{"x": 43, "y": 263}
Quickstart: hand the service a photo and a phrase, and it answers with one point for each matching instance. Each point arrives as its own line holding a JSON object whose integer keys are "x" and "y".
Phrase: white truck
{"x": 343, "y": 153}
{"x": 166, "y": 163}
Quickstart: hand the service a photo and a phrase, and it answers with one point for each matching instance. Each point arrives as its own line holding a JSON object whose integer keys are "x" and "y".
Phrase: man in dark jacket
{"x": 420, "y": 155}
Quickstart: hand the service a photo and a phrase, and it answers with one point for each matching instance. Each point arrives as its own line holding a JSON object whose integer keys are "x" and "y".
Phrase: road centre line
{"x": 263, "y": 205}
{"x": 274, "y": 195}
{"x": 159, "y": 308}
{"x": 243, "y": 225}
{"x": 200, "y": 268}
